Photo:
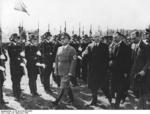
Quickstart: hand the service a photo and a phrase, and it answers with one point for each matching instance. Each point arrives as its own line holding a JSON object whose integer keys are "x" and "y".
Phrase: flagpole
{"x": 73, "y": 31}
{"x": 83, "y": 31}
{"x": 79, "y": 28}
{"x": 48, "y": 28}
{"x": 91, "y": 30}
{"x": 60, "y": 29}
{"x": 0, "y": 34}
{"x": 38, "y": 32}
{"x": 65, "y": 29}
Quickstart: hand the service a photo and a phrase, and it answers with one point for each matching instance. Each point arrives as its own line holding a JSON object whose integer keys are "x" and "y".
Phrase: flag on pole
{"x": 20, "y": 6}
{"x": 90, "y": 32}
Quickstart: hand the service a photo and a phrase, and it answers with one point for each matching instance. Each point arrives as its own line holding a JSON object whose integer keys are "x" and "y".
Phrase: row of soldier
{"x": 114, "y": 66}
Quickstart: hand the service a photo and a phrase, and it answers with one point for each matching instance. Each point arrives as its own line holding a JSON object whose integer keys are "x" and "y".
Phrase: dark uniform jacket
{"x": 47, "y": 51}
{"x": 33, "y": 58}
{"x": 16, "y": 59}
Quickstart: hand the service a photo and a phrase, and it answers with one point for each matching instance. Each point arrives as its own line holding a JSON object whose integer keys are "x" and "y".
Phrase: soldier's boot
{"x": 31, "y": 86}
{"x": 94, "y": 98}
{"x": 107, "y": 93}
{"x": 118, "y": 100}
{"x": 1, "y": 96}
{"x": 42, "y": 78}
{"x": 70, "y": 93}
{"x": 59, "y": 97}
{"x": 35, "y": 89}
{"x": 47, "y": 84}
{"x": 15, "y": 90}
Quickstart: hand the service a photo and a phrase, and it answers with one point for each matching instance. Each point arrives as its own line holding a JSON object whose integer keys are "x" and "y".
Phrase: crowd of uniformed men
{"x": 115, "y": 64}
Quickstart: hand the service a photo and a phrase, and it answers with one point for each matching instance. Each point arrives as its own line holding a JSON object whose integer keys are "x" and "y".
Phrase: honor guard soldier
{"x": 16, "y": 56}
{"x": 65, "y": 67}
{"x": 75, "y": 43}
{"x": 33, "y": 57}
{"x": 46, "y": 48}
{"x": 84, "y": 44}
{"x": 3, "y": 59}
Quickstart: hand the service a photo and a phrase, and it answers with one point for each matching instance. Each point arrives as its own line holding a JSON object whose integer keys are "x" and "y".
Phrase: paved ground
{"x": 81, "y": 93}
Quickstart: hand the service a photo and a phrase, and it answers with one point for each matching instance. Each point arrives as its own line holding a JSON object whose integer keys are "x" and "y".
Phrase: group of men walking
{"x": 112, "y": 67}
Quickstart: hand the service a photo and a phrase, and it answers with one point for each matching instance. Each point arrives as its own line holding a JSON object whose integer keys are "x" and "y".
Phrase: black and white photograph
{"x": 74, "y": 55}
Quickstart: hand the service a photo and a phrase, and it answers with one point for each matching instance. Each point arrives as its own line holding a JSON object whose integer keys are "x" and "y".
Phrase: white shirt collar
{"x": 65, "y": 46}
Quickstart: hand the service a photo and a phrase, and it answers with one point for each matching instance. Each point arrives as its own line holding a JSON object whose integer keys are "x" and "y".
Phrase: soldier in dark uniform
{"x": 16, "y": 64}
{"x": 47, "y": 50}
{"x": 3, "y": 59}
{"x": 76, "y": 44}
{"x": 33, "y": 57}
{"x": 84, "y": 44}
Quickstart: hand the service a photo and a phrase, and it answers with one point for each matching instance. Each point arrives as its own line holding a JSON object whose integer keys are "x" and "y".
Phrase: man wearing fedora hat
{"x": 97, "y": 55}
{"x": 140, "y": 71}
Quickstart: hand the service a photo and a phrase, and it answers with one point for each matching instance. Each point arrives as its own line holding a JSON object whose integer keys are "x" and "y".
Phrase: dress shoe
{"x": 35, "y": 95}
{"x": 48, "y": 91}
{"x": 68, "y": 101}
{"x": 94, "y": 103}
{"x": 116, "y": 106}
{"x": 54, "y": 103}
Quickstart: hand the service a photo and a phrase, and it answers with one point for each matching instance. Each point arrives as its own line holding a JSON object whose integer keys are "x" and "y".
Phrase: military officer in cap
{"x": 47, "y": 52}
{"x": 16, "y": 56}
{"x": 84, "y": 45}
{"x": 65, "y": 67}
{"x": 34, "y": 60}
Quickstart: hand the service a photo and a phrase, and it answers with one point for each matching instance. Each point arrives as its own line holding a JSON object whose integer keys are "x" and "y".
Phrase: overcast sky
{"x": 129, "y": 14}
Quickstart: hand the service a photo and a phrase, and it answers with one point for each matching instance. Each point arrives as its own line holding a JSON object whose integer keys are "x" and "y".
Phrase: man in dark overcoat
{"x": 121, "y": 65}
{"x": 97, "y": 55}
{"x": 140, "y": 72}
